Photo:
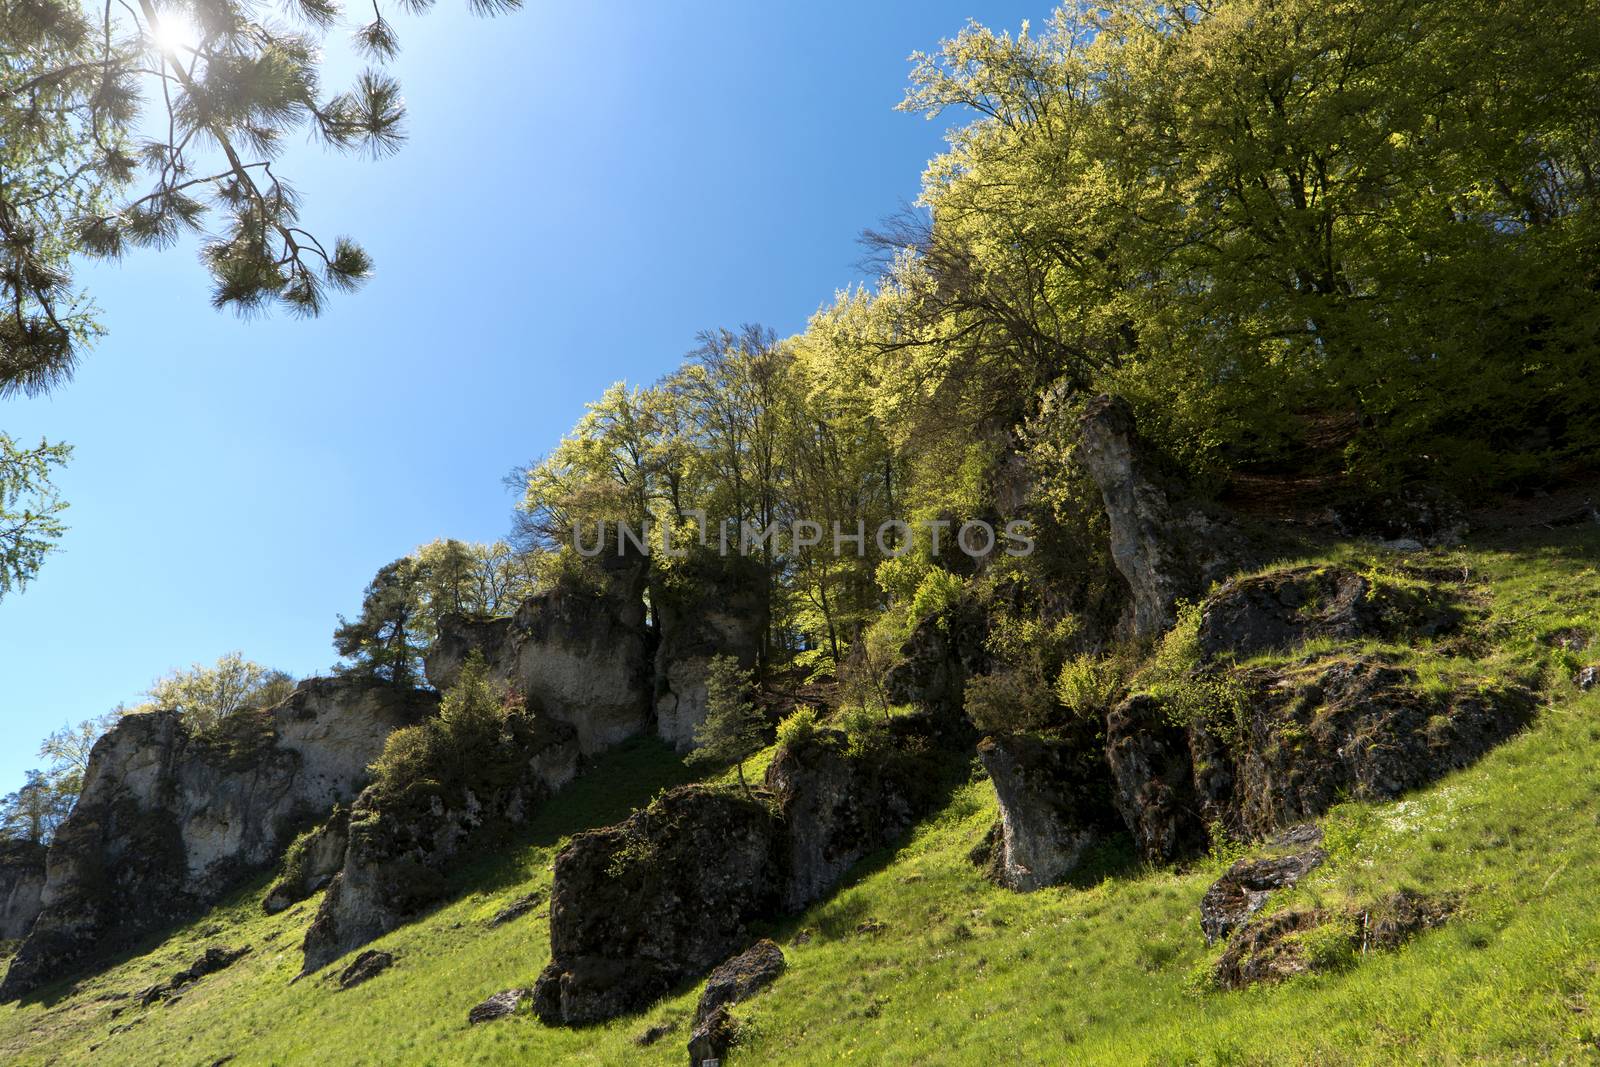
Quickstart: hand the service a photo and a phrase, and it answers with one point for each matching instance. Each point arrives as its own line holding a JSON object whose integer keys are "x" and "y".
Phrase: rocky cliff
{"x": 578, "y": 651}
{"x": 21, "y": 887}
{"x": 169, "y": 819}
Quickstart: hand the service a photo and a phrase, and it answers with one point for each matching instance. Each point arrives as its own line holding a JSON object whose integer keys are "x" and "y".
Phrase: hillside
{"x": 919, "y": 959}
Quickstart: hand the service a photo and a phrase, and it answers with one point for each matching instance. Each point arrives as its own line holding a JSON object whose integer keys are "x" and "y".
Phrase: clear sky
{"x": 585, "y": 186}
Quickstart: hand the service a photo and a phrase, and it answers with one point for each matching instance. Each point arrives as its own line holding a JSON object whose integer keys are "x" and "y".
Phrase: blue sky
{"x": 585, "y": 186}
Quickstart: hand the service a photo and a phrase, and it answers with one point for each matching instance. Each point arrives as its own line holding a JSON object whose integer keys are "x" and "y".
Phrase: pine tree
{"x": 733, "y": 727}
{"x": 383, "y": 641}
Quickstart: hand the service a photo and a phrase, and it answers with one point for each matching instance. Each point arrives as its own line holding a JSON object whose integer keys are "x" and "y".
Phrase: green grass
{"x": 918, "y": 960}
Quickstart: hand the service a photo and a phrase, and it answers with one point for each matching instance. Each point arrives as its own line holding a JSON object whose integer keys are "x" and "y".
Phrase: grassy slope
{"x": 960, "y": 971}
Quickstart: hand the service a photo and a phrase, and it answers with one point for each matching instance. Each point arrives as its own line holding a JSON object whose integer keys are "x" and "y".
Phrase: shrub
{"x": 798, "y": 727}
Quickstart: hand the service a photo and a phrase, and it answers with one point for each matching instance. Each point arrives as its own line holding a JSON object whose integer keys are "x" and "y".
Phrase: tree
{"x": 733, "y": 727}
{"x": 30, "y": 510}
{"x": 34, "y": 812}
{"x": 207, "y": 696}
{"x": 384, "y": 642}
{"x": 468, "y": 578}
{"x": 231, "y": 86}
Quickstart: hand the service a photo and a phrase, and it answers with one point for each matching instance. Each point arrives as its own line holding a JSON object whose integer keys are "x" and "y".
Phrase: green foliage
{"x": 733, "y": 727}
{"x": 463, "y": 743}
{"x": 385, "y": 642}
{"x": 30, "y": 509}
{"x": 1010, "y": 700}
{"x": 798, "y": 727}
{"x": 209, "y": 697}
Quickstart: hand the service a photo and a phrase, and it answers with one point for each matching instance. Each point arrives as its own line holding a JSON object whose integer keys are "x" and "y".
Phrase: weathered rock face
{"x": 578, "y": 653}
{"x": 1286, "y": 608}
{"x": 169, "y": 820}
{"x": 311, "y": 862}
{"x": 724, "y": 615}
{"x": 400, "y": 846}
{"x": 1244, "y": 887}
{"x": 1153, "y": 778}
{"x": 1312, "y": 734}
{"x": 21, "y": 887}
{"x": 732, "y": 982}
{"x": 1268, "y": 950}
{"x": 1054, "y": 801}
{"x": 641, "y": 906}
{"x": 838, "y": 807}
{"x": 935, "y": 663}
{"x": 1166, "y": 550}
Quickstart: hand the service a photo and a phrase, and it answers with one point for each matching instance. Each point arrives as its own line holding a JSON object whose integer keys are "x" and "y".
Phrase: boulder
{"x": 1285, "y": 608}
{"x": 704, "y": 606}
{"x": 1588, "y": 678}
{"x": 1244, "y": 887}
{"x": 711, "y": 1039}
{"x": 1054, "y": 799}
{"x": 740, "y": 978}
{"x": 1360, "y": 728}
{"x": 1274, "y": 948}
{"x": 22, "y": 867}
{"x": 639, "y": 907}
{"x": 1165, "y": 548}
{"x": 578, "y": 651}
{"x": 498, "y": 1006}
{"x": 1311, "y": 734}
{"x": 170, "y": 819}
{"x": 368, "y": 965}
{"x": 311, "y": 862}
{"x": 401, "y": 844}
{"x": 517, "y": 908}
{"x": 838, "y": 806}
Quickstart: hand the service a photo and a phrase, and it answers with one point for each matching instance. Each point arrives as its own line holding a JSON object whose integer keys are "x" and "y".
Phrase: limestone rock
{"x": 21, "y": 887}
{"x": 517, "y": 908}
{"x": 1054, "y": 800}
{"x": 366, "y": 966}
{"x": 576, "y": 651}
{"x": 170, "y": 820}
{"x": 1588, "y": 678}
{"x": 1268, "y": 949}
{"x": 942, "y": 652}
{"x": 1244, "y": 888}
{"x": 1312, "y": 733}
{"x": 498, "y": 1006}
{"x": 1166, "y": 549}
{"x": 311, "y": 862}
{"x": 1153, "y": 777}
{"x": 400, "y": 846}
{"x": 838, "y": 807}
{"x": 711, "y": 1038}
{"x": 1282, "y": 609}
{"x": 740, "y": 978}
{"x": 716, "y": 608}
{"x": 661, "y": 897}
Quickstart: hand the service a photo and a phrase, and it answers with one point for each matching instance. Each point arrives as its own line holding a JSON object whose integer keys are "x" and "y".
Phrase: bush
{"x": 1010, "y": 700}
{"x": 461, "y": 744}
{"x": 798, "y": 727}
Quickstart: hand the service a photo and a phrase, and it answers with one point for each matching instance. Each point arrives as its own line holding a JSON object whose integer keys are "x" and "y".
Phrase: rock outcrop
{"x": 734, "y": 981}
{"x": 662, "y": 897}
{"x": 401, "y": 842}
{"x": 310, "y": 862}
{"x": 1054, "y": 804}
{"x": 499, "y": 1006}
{"x": 169, "y": 819}
{"x": 1310, "y": 734}
{"x": 838, "y": 806}
{"x": 21, "y": 887}
{"x": 638, "y": 907}
{"x": 1285, "y": 608}
{"x": 1244, "y": 887}
{"x": 579, "y": 652}
{"x": 1277, "y": 947}
{"x": 942, "y": 652}
{"x": 1166, "y": 549}
{"x": 707, "y": 606}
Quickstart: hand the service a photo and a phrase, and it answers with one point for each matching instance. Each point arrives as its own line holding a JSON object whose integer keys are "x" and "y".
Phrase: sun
{"x": 175, "y": 33}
